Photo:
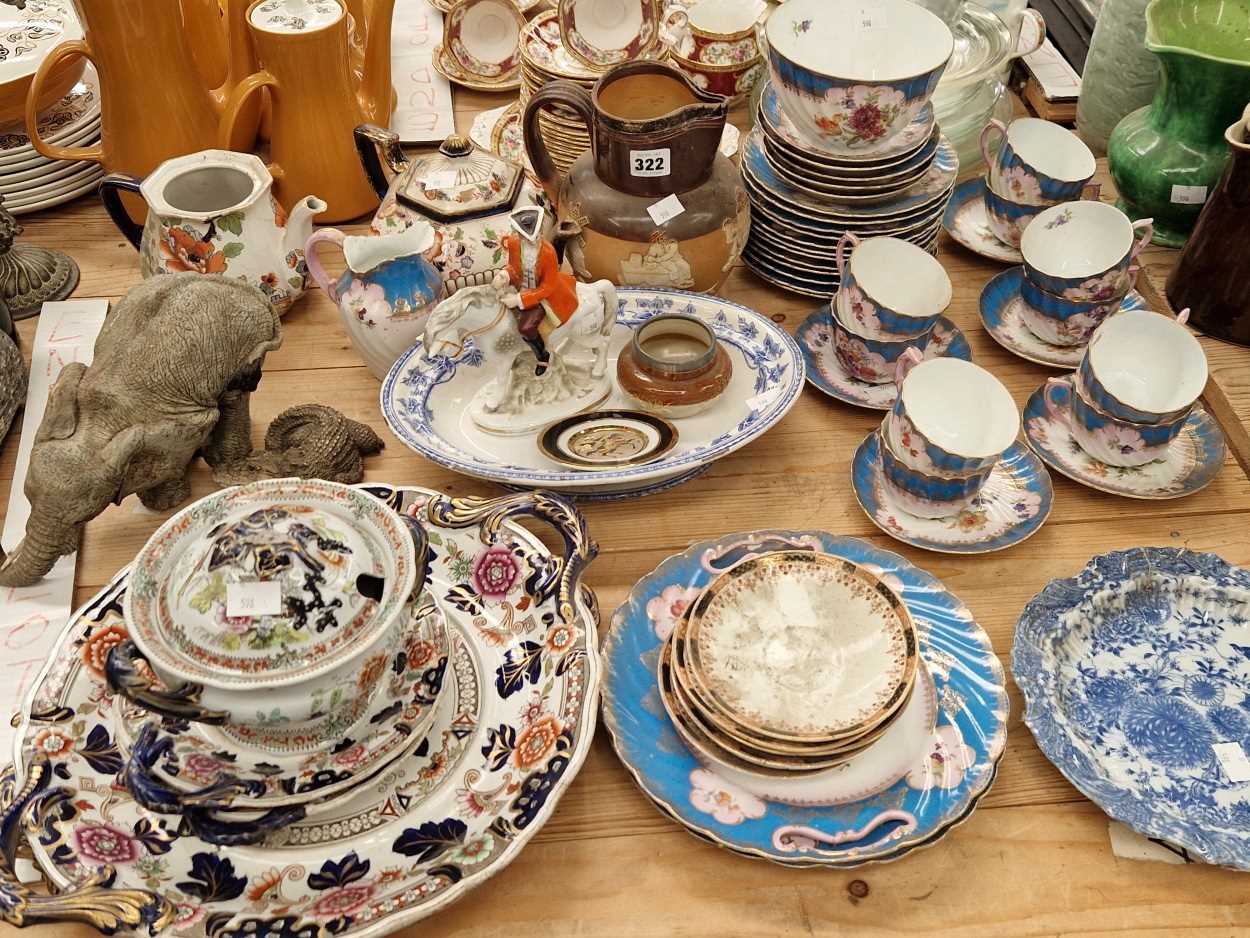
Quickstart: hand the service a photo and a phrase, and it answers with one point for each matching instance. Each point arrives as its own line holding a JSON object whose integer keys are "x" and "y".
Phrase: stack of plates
{"x": 544, "y": 59}
{"x": 804, "y": 199}
{"x": 791, "y": 664}
{"x": 30, "y": 181}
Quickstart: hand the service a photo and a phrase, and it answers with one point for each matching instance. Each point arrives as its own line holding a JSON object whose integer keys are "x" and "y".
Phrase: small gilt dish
{"x": 607, "y": 439}
{"x": 674, "y": 366}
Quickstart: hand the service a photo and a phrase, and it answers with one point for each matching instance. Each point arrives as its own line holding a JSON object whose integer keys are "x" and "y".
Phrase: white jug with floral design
{"x": 213, "y": 212}
{"x": 387, "y": 291}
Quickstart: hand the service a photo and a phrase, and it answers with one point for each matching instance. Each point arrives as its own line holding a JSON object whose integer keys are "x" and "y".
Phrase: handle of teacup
{"x": 196, "y": 807}
{"x": 111, "y": 187}
{"x": 1035, "y": 37}
{"x": 376, "y": 145}
{"x": 124, "y": 677}
{"x": 1183, "y": 316}
{"x": 34, "y": 94}
{"x": 560, "y": 92}
{"x": 887, "y": 825}
{"x": 1147, "y": 228}
{"x": 984, "y": 141}
{"x": 840, "y": 262}
{"x": 233, "y": 111}
{"x": 94, "y": 901}
{"x": 315, "y": 267}
{"x": 910, "y": 358}
{"x": 579, "y": 547}
{"x": 1091, "y": 192}
{"x": 1057, "y": 410}
{"x": 673, "y": 21}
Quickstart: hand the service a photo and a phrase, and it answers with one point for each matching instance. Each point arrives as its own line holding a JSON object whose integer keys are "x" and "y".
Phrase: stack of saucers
{"x": 803, "y": 198}
{"x": 298, "y": 609}
{"x": 791, "y": 664}
{"x": 30, "y": 181}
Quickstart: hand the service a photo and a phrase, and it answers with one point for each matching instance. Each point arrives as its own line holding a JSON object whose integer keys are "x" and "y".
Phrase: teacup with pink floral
{"x": 1038, "y": 162}
{"x": 1083, "y": 250}
{"x": 1109, "y": 439}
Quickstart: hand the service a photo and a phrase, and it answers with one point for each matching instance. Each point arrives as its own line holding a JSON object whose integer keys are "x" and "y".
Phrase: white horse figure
{"x": 516, "y": 399}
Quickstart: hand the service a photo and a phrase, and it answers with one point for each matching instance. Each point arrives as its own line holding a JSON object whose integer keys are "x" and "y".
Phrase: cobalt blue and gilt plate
{"x": 1136, "y": 681}
{"x": 950, "y": 773}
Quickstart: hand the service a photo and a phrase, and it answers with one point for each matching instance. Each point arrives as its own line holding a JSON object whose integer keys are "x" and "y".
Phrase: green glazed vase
{"x": 1167, "y": 157}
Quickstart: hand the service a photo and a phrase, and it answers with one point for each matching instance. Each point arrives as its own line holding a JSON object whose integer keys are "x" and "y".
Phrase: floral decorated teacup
{"x": 270, "y": 610}
{"x": 733, "y": 81}
{"x": 1144, "y": 367}
{"x": 865, "y": 358}
{"x": 1038, "y": 162}
{"x": 882, "y": 302}
{"x": 951, "y": 417}
{"x": 1008, "y": 218}
{"x": 1082, "y": 250}
{"x": 851, "y": 75}
{"x": 1108, "y": 439}
{"x": 1064, "y": 322}
{"x": 927, "y": 496}
{"x": 714, "y": 32}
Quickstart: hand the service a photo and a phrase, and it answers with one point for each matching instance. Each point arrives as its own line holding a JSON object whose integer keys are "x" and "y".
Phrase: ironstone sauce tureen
{"x": 262, "y": 609}
{"x": 466, "y": 192}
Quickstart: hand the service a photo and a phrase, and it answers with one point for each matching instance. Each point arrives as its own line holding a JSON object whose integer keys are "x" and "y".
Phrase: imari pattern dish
{"x": 825, "y": 372}
{"x": 950, "y": 769}
{"x": 1013, "y": 503}
{"x": 966, "y": 220}
{"x": 422, "y": 400}
{"x": 1192, "y": 460}
{"x": 1135, "y": 676}
{"x": 1001, "y": 315}
{"x": 406, "y": 843}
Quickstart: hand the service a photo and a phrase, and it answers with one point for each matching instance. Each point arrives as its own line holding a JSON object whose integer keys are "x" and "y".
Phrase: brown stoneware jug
{"x": 1210, "y": 277}
{"x": 655, "y": 140}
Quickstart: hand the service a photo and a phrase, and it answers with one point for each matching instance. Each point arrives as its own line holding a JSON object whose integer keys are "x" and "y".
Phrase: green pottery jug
{"x": 1166, "y": 157}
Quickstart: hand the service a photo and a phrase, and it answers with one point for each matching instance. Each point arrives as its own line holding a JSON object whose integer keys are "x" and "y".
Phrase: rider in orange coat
{"x": 546, "y": 295}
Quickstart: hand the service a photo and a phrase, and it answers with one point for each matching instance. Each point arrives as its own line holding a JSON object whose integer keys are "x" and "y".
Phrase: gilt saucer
{"x": 966, "y": 221}
{"x": 1014, "y": 503}
{"x": 1000, "y": 313}
{"x": 825, "y": 372}
{"x": 1193, "y": 460}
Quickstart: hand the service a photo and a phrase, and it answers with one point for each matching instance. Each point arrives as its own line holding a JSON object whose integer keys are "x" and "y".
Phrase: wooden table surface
{"x": 1035, "y": 859}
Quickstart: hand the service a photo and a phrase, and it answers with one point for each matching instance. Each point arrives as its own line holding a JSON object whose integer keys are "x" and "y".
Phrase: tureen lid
{"x": 269, "y": 583}
{"x": 460, "y": 179}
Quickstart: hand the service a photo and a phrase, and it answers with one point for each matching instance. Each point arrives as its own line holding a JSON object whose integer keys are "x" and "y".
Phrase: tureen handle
{"x": 181, "y": 702}
{"x": 196, "y": 807}
{"x": 110, "y": 188}
{"x": 94, "y": 902}
{"x": 491, "y": 513}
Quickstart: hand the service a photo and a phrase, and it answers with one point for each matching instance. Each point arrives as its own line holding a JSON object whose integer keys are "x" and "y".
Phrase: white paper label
{"x": 443, "y": 179}
{"x": 1189, "y": 195}
{"x": 245, "y": 600}
{"x": 1233, "y": 761}
{"x": 666, "y": 209}
{"x": 650, "y": 162}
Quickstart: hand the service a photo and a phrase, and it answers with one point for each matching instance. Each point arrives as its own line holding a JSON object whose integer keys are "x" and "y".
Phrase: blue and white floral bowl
{"x": 852, "y": 75}
{"x": 1136, "y": 682}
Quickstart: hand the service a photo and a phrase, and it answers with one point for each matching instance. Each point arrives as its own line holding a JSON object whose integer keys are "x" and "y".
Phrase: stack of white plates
{"x": 30, "y": 181}
{"x": 803, "y": 199}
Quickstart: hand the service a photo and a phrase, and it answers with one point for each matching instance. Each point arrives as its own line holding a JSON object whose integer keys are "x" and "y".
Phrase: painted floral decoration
{"x": 1118, "y": 438}
{"x": 95, "y": 650}
{"x": 184, "y": 250}
{"x": 102, "y": 843}
{"x": 535, "y": 741}
{"x": 857, "y": 359}
{"x": 367, "y": 302}
{"x": 861, "y": 113}
{"x": 863, "y": 310}
{"x": 1061, "y": 219}
{"x": 1022, "y": 185}
{"x": 1110, "y": 285}
{"x": 945, "y": 763}
{"x": 496, "y": 572}
{"x": 667, "y": 609}
{"x": 727, "y": 803}
{"x": 54, "y": 744}
{"x": 802, "y": 26}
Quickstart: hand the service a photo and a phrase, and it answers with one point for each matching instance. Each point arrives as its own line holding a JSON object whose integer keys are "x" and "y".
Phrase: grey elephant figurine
{"x": 174, "y": 367}
{"x": 12, "y": 382}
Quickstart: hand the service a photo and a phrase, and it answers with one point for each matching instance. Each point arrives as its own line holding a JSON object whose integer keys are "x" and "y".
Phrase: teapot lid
{"x": 269, "y": 583}
{"x": 461, "y": 179}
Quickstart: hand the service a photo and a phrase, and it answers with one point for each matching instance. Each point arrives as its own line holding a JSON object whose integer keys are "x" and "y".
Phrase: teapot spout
{"x": 376, "y": 94}
{"x": 299, "y": 224}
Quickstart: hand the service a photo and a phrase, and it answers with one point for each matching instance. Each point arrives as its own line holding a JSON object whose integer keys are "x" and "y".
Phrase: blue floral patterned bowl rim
{"x": 1042, "y": 622}
{"x": 866, "y": 465}
{"x": 955, "y": 647}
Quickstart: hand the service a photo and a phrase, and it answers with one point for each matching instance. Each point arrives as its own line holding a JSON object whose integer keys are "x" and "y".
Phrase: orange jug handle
{"x": 234, "y": 107}
{"x": 50, "y": 150}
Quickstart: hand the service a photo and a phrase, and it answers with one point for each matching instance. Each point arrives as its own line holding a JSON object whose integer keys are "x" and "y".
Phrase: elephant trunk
{"x": 36, "y": 555}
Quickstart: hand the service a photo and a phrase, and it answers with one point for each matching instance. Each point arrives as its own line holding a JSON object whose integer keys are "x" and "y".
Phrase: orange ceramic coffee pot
{"x": 317, "y": 98}
{"x": 154, "y": 103}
